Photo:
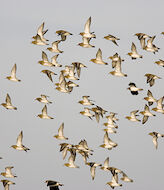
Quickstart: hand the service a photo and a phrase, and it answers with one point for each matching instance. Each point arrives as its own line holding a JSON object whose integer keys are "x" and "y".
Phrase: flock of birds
{"x": 91, "y": 110}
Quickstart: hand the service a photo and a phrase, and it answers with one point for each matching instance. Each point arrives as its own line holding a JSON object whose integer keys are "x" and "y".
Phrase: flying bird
{"x": 117, "y": 66}
{"x": 6, "y": 183}
{"x": 133, "y": 88}
{"x": 155, "y": 136}
{"x": 63, "y": 34}
{"x": 114, "y": 59}
{"x": 125, "y": 177}
{"x": 45, "y": 61}
{"x": 151, "y": 78}
{"x": 160, "y": 106}
{"x": 60, "y": 135}
{"x": 87, "y": 33}
{"x": 105, "y": 167}
{"x": 87, "y": 113}
{"x": 146, "y": 114}
{"x": 13, "y": 74}
{"x": 160, "y": 62}
{"x": 8, "y": 104}
{"x": 71, "y": 163}
{"x": 53, "y": 185}
{"x": 43, "y": 99}
{"x": 132, "y": 116}
{"x": 114, "y": 183}
{"x": 54, "y": 48}
{"x": 8, "y": 172}
{"x": 19, "y": 145}
{"x": 134, "y": 54}
{"x": 98, "y": 59}
{"x": 54, "y": 61}
{"x": 39, "y": 38}
{"x": 108, "y": 143}
{"x": 93, "y": 166}
{"x": 150, "y": 98}
{"x": 142, "y": 37}
{"x": 150, "y": 46}
{"x": 78, "y": 67}
{"x": 44, "y": 114}
{"x": 49, "y": 74}
{"x": 112, "y": 38}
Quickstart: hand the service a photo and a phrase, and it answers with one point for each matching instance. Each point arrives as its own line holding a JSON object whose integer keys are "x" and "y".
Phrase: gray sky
{"x": 135, "y": 153}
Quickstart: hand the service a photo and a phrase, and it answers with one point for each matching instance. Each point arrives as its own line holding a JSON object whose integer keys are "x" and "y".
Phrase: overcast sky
{"x": 135, "y": 153}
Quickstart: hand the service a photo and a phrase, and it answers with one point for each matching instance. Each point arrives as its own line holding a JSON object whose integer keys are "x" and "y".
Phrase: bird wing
{"x": 63, "y": 84}
{"x": 134, "y": 112}
{"x": 99, "y": 55}
{"x": 106, "y": 162}
{"x": 49, "y": 75}
{"x": 8, "y": 170}
{"x": 152, "y": 81}
{"x": 106, "y": 138}
{"x": 87, "y": 26}
{"x": 55, "y": 44}
{"x": 114, "y": 41}
{"x": 85, "y": 145}
{"x": 142, "y": 42}
{"x": 60, "y": 130}
{"x": 93, "y": 169}
{"x": 150, "y": 41}
{"x": 19, "y": 139}
{"x": 159, "y": 103}
{"x": 54, "y": 58}
{"x": 44, "y": 56}
{"x": 71, "y": 159}
{"x": 149, "y": 93}
{"x": 145, "y": 118}
{"x": 13, "y": 71}
{"x": 61, "y": 78}
{"x": 133, "y": 48}
{"x": 146, "y": 108}
{"x": 118, "y": 66}
{"x": 40, "y": 30}
{"x": 44, "y": 110}
{"x": 155, "y": 142}
{"x": 8, "y": 99}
